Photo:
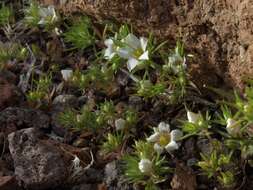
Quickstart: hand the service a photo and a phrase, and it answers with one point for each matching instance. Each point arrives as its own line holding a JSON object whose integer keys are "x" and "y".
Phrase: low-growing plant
{"x": 6, "y": 15}
{"x": 146, "y": 89}
{"x": 40, "y": 16}
{"x": 85, "y": 119}
{"x": 216, "y": 165}
{"x": 106, "y": 112}
{"x": 113, "y": 142}
{"x": 145, "y": 167}
{"x": 174, "y": 72}
{"x": 80, "y": 35}
{"x": 40, "y": 92}
{"x": 94, "y": 77}
{"x": 197, "y": 124}
{"x": 11, "y": 52}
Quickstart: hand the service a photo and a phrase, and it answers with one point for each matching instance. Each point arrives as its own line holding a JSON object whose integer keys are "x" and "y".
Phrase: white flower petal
{"x": 159, "y": 149}
{"x": 145, "y": 166}
{"x": 163, "y": 127}
{"x": 176, "y": 135}
{"x": 120, "y": 124}
{"x": 171, "y": 146}
{"x": 144, "y": 56}
{"x": 108, "y": 42}
{"x": 42, "y": 22}
{"x": 66, "y": 74}
{"x": 144, "y": 43}
{"x": 193, "y": 117}
{"x": 124, "y": 53}
{"x": 132, "y": 63}
{"x": 153, "y": 138}
{"x": 109, "y": 53}
{"x": 232, "y": 127}
{"x": 132, "y": 41}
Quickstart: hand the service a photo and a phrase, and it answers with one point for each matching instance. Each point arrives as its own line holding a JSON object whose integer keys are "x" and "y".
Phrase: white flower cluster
{"x": 134, "y": 50}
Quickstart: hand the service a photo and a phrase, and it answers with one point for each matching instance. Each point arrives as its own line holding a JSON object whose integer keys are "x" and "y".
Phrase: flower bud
{"x": 145, "y": 166}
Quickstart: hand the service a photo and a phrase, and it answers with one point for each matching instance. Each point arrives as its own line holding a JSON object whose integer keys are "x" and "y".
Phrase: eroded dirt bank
{"x": 219, "y": 33}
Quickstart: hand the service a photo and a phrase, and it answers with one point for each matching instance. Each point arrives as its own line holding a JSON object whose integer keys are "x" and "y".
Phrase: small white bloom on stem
{"x": 145, "y": 166}
{"x": 164, "y": 139}
{"x": 67, "y": 74}
{"x": 193, "y": 117}
{"x": 233, "y": 127}
{"x": 120, "y": 124}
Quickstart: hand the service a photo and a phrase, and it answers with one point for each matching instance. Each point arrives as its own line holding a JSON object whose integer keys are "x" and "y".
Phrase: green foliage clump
{"x": 40, "y": 92}
{"x": 113, "y": 142}
{"x": 218, "y": 166}
{"x": 11, "y": 51}
{"x": 6, "y": 15}
{"x": 79, "y": 120}
{"x": 80, "y": 34}
{"x": 40, "y": 16}
{"x": 149, "y": 174}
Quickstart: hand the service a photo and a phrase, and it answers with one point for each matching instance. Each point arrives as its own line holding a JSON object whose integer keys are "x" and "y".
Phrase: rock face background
{"x": 219, "y": 32}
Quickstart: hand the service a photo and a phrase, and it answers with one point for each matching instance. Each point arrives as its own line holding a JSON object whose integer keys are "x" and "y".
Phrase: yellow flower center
{"x": 137, "y": 53}
{"x": 164, "y": 139}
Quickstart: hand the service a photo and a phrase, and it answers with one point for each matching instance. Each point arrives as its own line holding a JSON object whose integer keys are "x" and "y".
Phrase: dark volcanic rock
{"x": 8, "y": 183}
{"x": 14, "y": 118}
{"x": 9, "y": 94}
{"x": 114, "y": 179}
{"x": 38, "y": 163}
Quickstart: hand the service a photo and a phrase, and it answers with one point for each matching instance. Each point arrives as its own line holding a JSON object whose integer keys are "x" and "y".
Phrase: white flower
{"x": 120, "y": 124}
{"x": 145, "y": 166}
{"x": 193, "y": 117}
{"x": 165, "y": 139}
{"x": 66, "y": 74}
{"x": 47, "y": 14}
{"x": 232, "y": 127}
{"x": 110, "y": 50}
{"x": 135, "y": 52}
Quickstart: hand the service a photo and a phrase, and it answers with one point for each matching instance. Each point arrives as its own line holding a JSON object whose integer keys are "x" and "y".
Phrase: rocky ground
{"x": 39, "y": 152}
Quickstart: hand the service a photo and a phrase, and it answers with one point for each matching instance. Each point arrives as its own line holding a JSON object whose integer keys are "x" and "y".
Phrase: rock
{"x": 66, "y": 100}
{"x": 183, "y": 179}
{"x": 90, "y": 176}
{"x": 38, "y": 163}
{"x": 136, "y": 103}
{"x": 6, "y": 166}
{"x": 204, "y": 146}
{"x": 14, "y": 118}
{"x": 219, "y": 33}
{"x": 114, "y": 179}
{"x": 9, "y": 94}
{"x": 84, "y": 187}
{"x": 8, "y": 183}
